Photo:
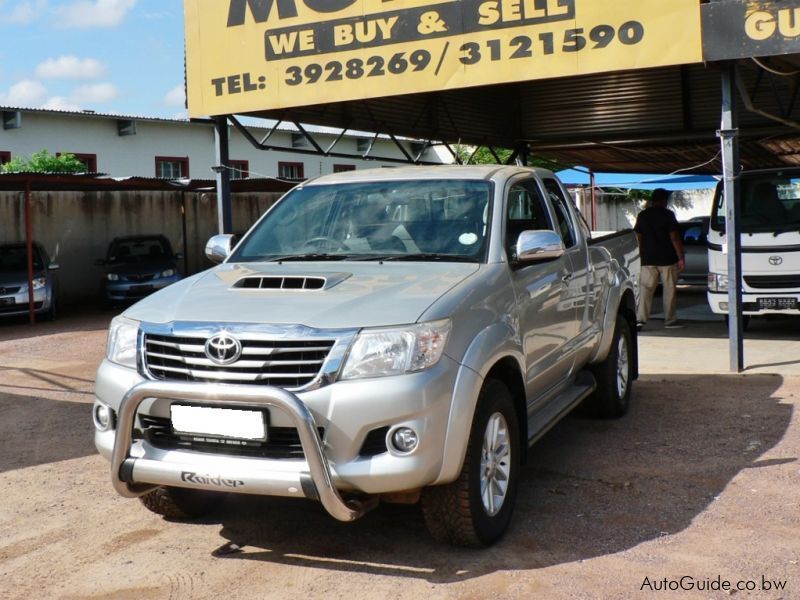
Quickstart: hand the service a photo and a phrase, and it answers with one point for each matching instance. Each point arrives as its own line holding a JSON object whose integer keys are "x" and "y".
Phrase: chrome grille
{"x": 281, "y": 363}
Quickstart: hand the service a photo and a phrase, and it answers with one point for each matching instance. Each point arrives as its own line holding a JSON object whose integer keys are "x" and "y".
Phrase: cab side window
{"x": 558, "y": 200}
{"x": 525, "y": 210}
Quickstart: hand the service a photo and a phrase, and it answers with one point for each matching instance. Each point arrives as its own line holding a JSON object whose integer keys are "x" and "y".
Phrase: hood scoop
{"x": 308, "y": 283}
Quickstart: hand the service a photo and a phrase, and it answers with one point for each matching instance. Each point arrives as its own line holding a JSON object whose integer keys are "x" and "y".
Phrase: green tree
{"x": 482, "y": 155}
{"x": 44, "y": 162}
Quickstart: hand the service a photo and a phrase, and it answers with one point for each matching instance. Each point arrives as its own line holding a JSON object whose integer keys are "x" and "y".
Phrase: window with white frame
{"x": 291, "y": 170}
{"x": 172, "y": 167}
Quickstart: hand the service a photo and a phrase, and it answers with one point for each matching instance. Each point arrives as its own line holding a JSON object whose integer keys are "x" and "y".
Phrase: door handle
{"x": 566, "y": 277}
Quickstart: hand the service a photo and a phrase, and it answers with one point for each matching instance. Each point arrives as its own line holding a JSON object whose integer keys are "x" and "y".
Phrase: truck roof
{"x": 484, "y": 172}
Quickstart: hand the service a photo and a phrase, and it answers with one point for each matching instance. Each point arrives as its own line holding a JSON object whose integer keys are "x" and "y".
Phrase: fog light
{"x": 723, "y": 306}
{"x": 404, "y": 439}
{"x": 103, "y": 417}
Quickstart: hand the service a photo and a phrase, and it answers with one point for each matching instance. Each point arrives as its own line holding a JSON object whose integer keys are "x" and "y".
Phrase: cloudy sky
{"x": 115, "y": 56}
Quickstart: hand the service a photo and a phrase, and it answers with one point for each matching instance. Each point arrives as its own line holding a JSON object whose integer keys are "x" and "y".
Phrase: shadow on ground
{"x": 590, "y": 488}
{"x": 35, "y": 431}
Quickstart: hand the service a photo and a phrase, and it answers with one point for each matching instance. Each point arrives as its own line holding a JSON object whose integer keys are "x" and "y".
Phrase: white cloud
{"x": 22, "y": 13}
{"x": 27, "y": 93}
{"x": 70, "y": 67}
{"x": 94, "y": 94}
{"x": 87, "y": 14}
{"x": 176, "y": 96}
{"x": 60, "y": 103}
{"x": 33, "y": 94}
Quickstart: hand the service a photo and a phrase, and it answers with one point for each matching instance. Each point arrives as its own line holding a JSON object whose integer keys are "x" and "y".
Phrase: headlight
{"x": 383, "y": 352}
{"x": 717, "y": 282}
{"x": 168, "y": 273}
{"x": 121, "y": 346}
{"x": 39, "y": 283}
{"x": 112, "y": 277}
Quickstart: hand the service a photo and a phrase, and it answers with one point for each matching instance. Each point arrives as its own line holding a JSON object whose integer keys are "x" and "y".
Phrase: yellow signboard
{"x": 251, "y": 55}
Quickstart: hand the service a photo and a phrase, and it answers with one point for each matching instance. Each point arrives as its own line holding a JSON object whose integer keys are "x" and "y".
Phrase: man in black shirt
{"x": 661, "y": 251}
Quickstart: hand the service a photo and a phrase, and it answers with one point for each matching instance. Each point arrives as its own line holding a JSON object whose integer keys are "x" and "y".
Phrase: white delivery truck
{"x": 770, "y": 240}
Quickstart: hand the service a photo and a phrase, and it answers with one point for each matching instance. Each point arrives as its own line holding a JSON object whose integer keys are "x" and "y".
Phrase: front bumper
{"x": 121, "y": 291}
{"x": 718, "y": 301}
{"x": 332, "y": 464}
{"x": 132, "y": 476}
{"x": 17, "y": 304}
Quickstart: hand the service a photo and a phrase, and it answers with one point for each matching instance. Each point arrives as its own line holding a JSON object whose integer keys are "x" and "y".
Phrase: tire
{"x": 179, "y": 503}
{"x": 52, "y": 312}
{"x": 458, "y": 513}
{"x": 614, "y": 376}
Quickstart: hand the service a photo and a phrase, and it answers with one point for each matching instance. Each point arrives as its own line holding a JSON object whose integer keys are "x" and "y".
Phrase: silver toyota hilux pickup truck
{"x": 396, "y": 335}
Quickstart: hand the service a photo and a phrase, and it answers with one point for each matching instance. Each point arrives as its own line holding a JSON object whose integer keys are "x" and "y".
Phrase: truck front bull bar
{"x": 123, "y": 466}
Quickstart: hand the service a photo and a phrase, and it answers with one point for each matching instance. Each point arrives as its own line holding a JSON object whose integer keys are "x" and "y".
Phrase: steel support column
{"x": 29, "y": 251}
{"x": 223, "y": 175}
{"x": 728, "y": 135}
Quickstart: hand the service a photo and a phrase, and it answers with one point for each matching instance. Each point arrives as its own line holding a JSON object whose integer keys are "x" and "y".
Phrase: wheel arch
{"x": 507, "y": 370}
{"x": 620, "y": 304}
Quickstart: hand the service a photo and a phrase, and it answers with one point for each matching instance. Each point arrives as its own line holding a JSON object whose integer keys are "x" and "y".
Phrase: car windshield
{"x": 138, "y": 250}
{"x": 15, "y": 258}
{"x": 770, "y": 203}
{"x": 386, "y": 220}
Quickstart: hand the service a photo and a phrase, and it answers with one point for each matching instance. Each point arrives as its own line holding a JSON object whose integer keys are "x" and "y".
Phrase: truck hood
{"x": 354, "y": 294}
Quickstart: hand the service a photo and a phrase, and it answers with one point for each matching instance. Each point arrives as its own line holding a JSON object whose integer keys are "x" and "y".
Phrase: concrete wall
{"x": 76, "y": 227}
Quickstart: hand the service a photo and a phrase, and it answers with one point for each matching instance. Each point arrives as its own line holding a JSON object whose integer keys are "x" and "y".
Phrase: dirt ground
{"x": 699, "y": 481}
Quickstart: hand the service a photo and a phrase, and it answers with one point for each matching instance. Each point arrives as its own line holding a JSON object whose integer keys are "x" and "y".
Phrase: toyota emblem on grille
{"x": 775, "y": 260}
{"x": 223, "y": 349}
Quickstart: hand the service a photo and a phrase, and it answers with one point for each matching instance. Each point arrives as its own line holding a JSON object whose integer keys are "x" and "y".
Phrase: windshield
{"x": 770, "y": 203}
{"x": 387, "y": 220}
{"x": 140, "y": 249}
{"x": 15, "y": 258}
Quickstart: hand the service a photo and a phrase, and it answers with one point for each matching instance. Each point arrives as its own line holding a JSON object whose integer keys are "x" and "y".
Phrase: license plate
{"x": 6, "y": 301}
{"x": 777, "y": 303}
{"x": 219, "y": 422}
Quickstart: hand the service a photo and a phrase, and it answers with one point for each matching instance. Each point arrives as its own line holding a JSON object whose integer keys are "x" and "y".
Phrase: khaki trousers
{"x": 648, "y": 280}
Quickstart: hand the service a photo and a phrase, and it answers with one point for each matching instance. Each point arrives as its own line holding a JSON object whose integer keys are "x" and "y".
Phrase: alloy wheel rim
{"x": 495, "y": 464}
{"x": 622, "y": 366}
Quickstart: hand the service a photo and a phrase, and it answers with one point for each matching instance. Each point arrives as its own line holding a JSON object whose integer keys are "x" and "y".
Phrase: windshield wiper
{"x": 430, "y": 256}
{"x": 310, "y": 256}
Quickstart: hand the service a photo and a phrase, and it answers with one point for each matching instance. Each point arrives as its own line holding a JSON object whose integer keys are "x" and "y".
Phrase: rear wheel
{"x": 475, "y": 510}
{"x": 614, "y": 375}
{"x": 180, "y": 503}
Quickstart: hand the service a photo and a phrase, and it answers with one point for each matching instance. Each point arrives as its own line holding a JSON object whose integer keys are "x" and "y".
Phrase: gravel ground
{"x": 699, "y": 481}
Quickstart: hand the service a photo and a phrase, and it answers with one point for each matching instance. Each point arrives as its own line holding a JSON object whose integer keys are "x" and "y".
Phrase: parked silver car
{"x": 14, "y": 280}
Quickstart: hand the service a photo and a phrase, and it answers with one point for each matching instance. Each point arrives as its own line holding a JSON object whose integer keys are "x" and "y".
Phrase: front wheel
{"x": 614, "y": 375}
{"x": 180, "y": 503}
{"x": 475, "y": 510}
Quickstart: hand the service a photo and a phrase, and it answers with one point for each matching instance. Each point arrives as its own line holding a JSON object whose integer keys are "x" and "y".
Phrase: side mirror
{"x": 539, "y": 244}
{"x": 219, "y": 247}
{"x": 100, "y": 262}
